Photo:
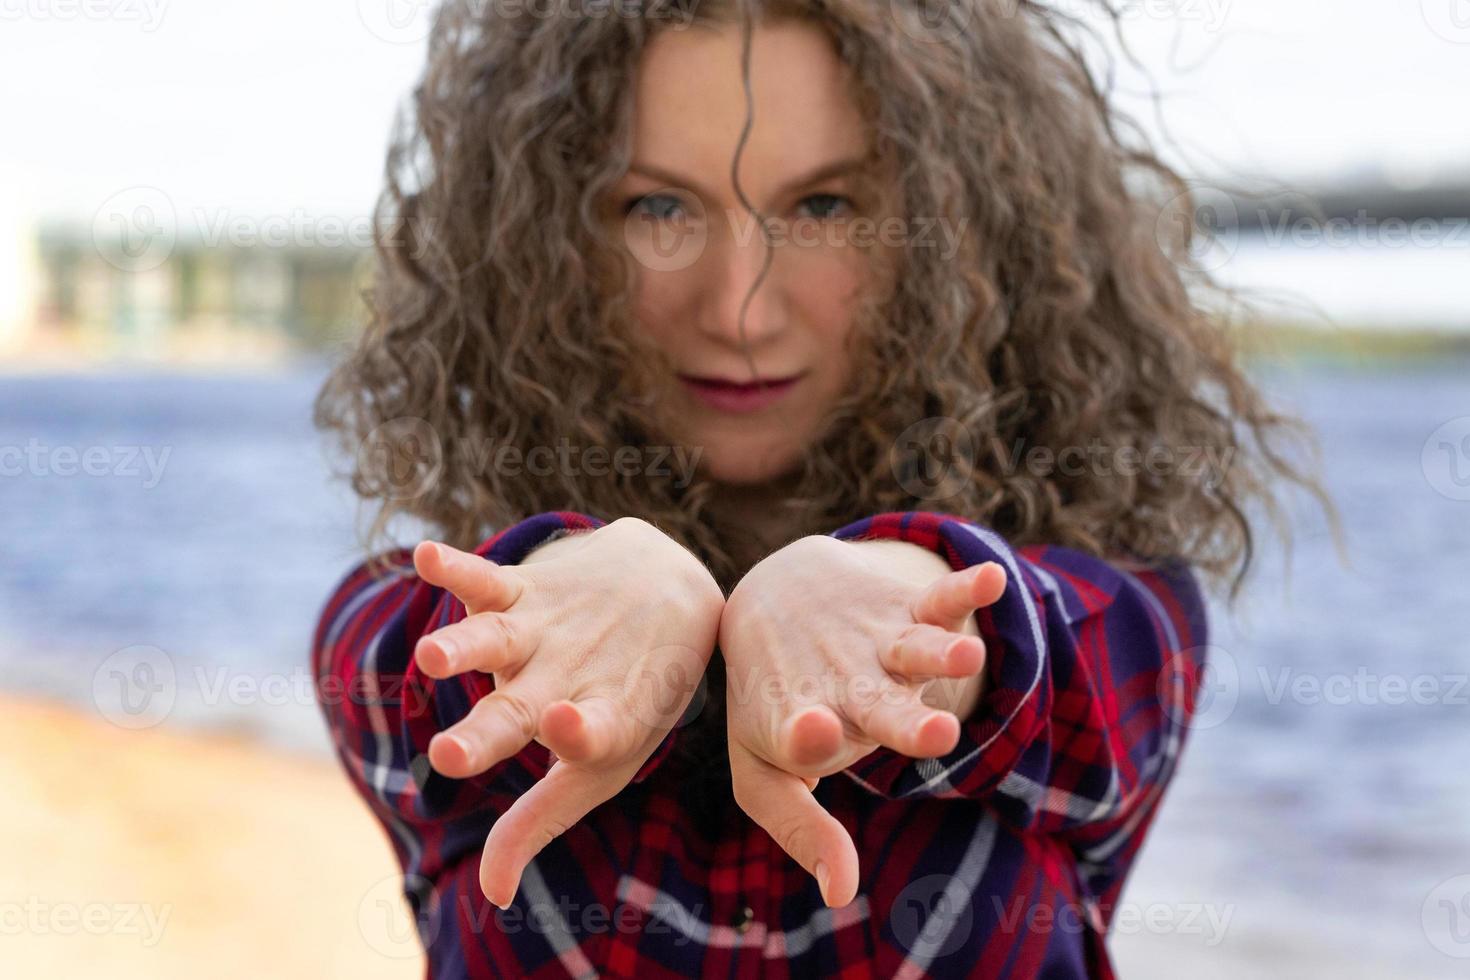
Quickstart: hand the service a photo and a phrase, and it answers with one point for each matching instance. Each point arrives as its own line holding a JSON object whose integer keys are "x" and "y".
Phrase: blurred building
{"x": 69, "y": 293}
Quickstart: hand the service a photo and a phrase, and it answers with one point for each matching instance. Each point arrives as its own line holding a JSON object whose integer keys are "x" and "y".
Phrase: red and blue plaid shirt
{"x": 1004, "y": 858}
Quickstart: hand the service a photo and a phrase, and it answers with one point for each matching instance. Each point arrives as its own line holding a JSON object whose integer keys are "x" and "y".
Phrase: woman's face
{"x": 698, "y": 251}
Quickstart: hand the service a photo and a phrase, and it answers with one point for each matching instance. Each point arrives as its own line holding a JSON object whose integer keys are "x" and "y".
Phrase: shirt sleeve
{"x": 382, "y": 711}
{"x": 1092, "y": 671}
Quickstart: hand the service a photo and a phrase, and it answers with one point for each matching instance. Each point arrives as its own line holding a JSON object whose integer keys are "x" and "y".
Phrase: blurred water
{"x": 206, "y": 529}
{"x": 1321, "y": 807}
{"x": 1314, "y": 826}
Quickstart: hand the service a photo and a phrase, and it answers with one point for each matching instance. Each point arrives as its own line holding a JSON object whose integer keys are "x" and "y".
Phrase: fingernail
{"x": 455, "y": 741}
{"x": 822, "y": 875}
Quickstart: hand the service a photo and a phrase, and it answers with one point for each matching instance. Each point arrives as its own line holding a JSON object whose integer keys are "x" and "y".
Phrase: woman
{"x": 808, "y": 412}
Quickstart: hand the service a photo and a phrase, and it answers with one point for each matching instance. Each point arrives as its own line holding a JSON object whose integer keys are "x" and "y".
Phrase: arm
{"x": 1089, "y": 684}
{"x": 382, "y": 710}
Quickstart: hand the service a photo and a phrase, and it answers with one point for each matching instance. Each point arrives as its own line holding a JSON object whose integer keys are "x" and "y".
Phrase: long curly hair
{"x": 1071, "y": 317}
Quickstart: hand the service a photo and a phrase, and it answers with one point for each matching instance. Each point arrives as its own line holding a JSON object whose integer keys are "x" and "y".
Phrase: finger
{"x": 783, "y": 805}
{"x": 950, "y": 600}
{"x": 590, "y": 731}
{"x": 497, "y": 727}
{"x": 898, "y": 718}
{"x": 565, "y": 795}
{"x": 923, "y": 651}
{"x": 477, "y": 582}
{"x": 485, "y": 641}
{"x": 807, "y": 739}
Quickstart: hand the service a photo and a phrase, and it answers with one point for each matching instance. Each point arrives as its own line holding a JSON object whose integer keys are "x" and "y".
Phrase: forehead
{"x": 690, "y": 104}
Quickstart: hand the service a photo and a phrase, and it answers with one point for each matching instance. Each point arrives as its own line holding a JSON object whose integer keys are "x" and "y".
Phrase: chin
{"x": 748, "y": 464}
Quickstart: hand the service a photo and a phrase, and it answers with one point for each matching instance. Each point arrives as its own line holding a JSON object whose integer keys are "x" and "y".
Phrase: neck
{"x": 752, "y": 519}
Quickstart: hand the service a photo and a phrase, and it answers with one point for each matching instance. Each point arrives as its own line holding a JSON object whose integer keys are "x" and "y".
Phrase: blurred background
{"x": 185, "y": 190}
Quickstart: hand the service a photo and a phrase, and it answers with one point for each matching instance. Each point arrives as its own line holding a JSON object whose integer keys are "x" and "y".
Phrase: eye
{"x": 660, "y": 206}
{"x": 824, "y": 205}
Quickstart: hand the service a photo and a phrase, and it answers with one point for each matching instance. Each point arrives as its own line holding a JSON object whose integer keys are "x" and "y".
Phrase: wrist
{"x": 903, "y": 559}
{"x": 558, "y": 544}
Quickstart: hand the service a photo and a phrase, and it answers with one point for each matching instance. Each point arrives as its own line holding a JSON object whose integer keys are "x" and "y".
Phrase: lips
{"x": 713, "y": 382}
{"x": 726, "y": 395}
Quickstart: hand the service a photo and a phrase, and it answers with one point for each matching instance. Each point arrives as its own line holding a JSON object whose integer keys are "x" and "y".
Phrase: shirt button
{"x": 742, "y": 919}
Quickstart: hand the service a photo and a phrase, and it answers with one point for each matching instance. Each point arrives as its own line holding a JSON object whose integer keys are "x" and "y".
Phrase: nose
{"x": 734, "y": 280}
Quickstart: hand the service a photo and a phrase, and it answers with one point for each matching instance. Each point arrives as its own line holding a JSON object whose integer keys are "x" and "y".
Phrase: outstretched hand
{"x": 596, "y": 648}
{"x": 833, "y": 648}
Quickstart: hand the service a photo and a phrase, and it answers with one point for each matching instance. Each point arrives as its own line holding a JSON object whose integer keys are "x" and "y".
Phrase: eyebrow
{"x": 826, "y": 171}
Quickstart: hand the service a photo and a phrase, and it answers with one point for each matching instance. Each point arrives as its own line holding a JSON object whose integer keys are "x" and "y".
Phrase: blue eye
{"x": 659, "y": 206}
{"x": 826, "y": 203}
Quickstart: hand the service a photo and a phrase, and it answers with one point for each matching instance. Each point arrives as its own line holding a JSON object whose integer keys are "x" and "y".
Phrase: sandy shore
{"x": 161, "y": 853}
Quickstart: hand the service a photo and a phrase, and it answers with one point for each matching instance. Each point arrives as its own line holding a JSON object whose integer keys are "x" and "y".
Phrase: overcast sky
{"x": 271, "y": 105}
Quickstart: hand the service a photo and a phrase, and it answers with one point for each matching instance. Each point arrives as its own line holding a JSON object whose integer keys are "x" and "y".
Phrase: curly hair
{"x": 1071, "y": 317}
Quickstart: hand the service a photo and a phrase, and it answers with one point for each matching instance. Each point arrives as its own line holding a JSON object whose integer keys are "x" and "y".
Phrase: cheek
{"x": 828, "y": 302}
{"x": 656, "y": 303}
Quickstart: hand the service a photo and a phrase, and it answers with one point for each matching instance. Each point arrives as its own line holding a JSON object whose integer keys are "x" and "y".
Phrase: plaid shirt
{"x": 1004, "y": 858}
